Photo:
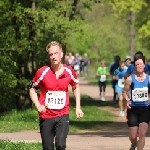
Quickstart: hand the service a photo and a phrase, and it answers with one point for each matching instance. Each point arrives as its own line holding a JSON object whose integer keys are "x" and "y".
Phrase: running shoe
{"x": 133, "y": 147}
{"x": 120, "y": 113}
{"x": 103, "y": 98}
{"x": 123, "y": 113}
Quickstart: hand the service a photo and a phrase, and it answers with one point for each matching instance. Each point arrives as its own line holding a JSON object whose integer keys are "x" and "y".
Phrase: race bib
{"x": 140, "y": 94}
{"x": 76, "y": 67}
{"x": 103, "y": 78}
{"x": 121, "y": 83}
{"x": 55, "y": 99}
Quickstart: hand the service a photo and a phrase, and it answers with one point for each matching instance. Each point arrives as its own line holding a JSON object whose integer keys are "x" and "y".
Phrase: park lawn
{"x": 8, "y": 145}
{"x": 14, "y": 120}
{"x": 93, "y": 119}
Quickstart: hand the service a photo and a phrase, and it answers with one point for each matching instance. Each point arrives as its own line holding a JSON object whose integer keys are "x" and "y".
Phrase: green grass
{"x": 94, "y": 118}
{"x": 7, "y": 145}
{"x": 28, "y": 119}
{"x": 19, "y": 120}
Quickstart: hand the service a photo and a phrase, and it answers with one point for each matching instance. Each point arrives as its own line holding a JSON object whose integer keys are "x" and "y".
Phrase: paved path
{"x": 112, "y": 137}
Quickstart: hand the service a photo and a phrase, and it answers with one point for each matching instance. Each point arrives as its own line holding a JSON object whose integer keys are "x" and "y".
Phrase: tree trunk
{"x": 132, "y": 33}
{"x": 24, "y": 100}
{"x": 74, "y": 7}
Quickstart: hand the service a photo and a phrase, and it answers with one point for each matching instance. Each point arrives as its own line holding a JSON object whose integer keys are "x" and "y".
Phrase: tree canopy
{"x": 98, "y": 28}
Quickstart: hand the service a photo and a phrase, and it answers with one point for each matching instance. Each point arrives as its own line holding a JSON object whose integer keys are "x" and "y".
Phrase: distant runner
{"x": 119, "y": 76}
{"x": 102, "y": 73}
{"x": 113, "y": 66}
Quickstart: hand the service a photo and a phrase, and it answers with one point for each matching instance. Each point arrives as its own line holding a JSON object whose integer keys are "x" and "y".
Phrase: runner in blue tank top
{"x": 119, "y": 76}
{"x": 139, "y": 98}
{"x": 138, "y": 112}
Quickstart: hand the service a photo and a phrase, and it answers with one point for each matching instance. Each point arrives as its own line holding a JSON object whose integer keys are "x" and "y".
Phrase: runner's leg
{"x": 124, "y": 105}
{"x": 121, "y": 104}
{"x": 100, "y": 87}
{"x": 62, "y": 128}
{"x": 143, "y": 126}
{"x": 104, "y": 90}
{"x": 114, "y": 90}
{"x": 133, "y": 123}
{"x": 47, "y": 133}
{"x": 133, "y": 134}
{"x": 142, "y": 131}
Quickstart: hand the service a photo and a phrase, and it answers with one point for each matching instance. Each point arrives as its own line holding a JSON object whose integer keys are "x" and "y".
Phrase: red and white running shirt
{"x": 54, "y": 92}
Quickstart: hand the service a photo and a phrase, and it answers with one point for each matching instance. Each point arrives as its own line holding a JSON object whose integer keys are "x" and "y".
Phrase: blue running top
{"x": 139, "y": 91}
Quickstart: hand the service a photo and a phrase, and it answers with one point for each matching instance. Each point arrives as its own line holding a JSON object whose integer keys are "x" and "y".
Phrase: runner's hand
{"x": 41, "y": 108}
{"x": 128, "y": 105}
{"x": 79, "y": 113}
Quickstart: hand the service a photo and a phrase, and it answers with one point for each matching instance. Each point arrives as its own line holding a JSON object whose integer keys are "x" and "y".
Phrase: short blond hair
{"x": 103, "y": 61}
{"x": 53, "y": 43}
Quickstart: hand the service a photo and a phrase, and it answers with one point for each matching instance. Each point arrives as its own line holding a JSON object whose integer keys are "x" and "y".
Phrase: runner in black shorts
{"x": 138, "y": 112}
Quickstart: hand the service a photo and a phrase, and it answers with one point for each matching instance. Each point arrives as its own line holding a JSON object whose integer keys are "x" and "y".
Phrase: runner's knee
{"x": 60, "y": 146}
{"x": 133, "y": 137}
{"x": 47, "y": 146}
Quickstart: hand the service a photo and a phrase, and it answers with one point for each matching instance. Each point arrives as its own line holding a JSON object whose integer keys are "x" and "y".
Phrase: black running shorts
{"x": 137, "y": 115}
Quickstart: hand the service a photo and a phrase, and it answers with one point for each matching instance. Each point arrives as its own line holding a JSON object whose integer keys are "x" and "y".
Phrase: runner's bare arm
{"x": 76, "y": 92}
{"x": 115, "y": 77}
{"x": 98, "y": 75}
{"x": 149, "y": 90}
{"x": 127, "y": 88}
{"x": 34, "y": 98}
{"x": 126, "y": 76}
{"x": 107, "y": 73}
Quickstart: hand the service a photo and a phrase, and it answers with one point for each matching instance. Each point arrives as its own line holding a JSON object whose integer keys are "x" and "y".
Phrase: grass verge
{"x": 8, "y": 145}
{"x": 28, "y": 119}
{"x": 94, "y": 118}
{"x": 19, "y": 120}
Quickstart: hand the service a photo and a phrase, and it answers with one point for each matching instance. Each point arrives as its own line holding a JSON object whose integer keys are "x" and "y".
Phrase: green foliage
{"x": 142, "y": 10}
{"x": 80, "y": 26}
{"x": 8, "y": 145}
{"x": 8, "y": 82}
{"x": 144, "y": 23}
{"x": 25, "y": 32}
{"x": 122, "y": 7}
{"x": 102, "y": 35}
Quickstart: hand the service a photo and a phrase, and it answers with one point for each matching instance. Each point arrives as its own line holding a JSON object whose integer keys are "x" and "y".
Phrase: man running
{"x": 138, "y": 112}
{"x": 119, "y": 76}
{"x": 76, "y": 64}
{"x": 86, "y": 63}
{"x": 112, "y": 68}
{"x": 128, "y": 61}
{"x": 53, "y": 103}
